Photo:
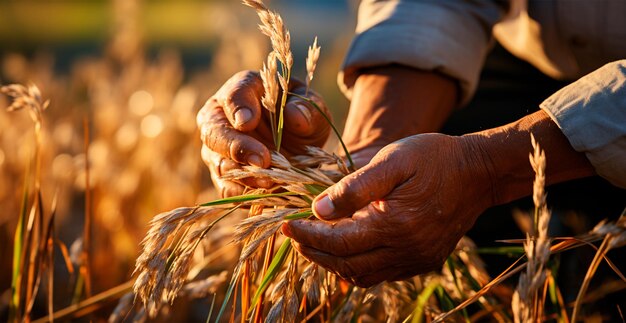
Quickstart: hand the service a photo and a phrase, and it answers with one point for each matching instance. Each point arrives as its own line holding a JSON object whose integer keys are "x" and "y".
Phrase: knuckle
{"x": 245, "y": 75}
{"x": 242, "y": 80}
{"x": 213, "y": 135}
{"x": 236, "y": 150}
{"x": 204, "y": 114}
{"x": 225, "y": 141}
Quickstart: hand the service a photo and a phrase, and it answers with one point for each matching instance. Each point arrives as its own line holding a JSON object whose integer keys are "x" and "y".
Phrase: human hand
{"x": 235, "y": 129}
{"x": 400, "y": 215}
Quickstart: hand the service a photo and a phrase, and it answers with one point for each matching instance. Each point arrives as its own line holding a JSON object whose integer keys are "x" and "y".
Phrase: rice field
{"x": 110, "y": 213}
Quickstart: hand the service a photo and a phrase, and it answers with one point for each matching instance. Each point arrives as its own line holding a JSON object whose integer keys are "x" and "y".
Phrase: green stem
{"x": 299, "y": 215}
{"x": 281, "y": 114}
{"x": 246, "y": 198}
{"x": 272, "y": 271}
{"x": 343, "y": 145}
{"x": 18, "y": 241}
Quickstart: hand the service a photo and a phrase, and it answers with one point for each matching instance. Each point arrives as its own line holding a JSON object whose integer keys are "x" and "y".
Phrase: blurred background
{"x": 135, "y": 73}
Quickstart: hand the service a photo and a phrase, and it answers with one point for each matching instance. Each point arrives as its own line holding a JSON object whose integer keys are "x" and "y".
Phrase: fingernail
{"x": 324, "y": 207}
{"x": 305, "y": 111}
{"x": 255, "y": 160}
{"x": 242, "y": 116}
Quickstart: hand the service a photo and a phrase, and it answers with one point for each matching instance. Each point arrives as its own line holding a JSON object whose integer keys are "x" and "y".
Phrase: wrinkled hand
{"x": 400, "y": 215}
{"x": 235, "y": 129}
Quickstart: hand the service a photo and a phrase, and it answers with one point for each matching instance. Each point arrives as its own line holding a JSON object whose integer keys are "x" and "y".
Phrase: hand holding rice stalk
{"x": 167, "y": 248}
{"x": 281, "y": 277}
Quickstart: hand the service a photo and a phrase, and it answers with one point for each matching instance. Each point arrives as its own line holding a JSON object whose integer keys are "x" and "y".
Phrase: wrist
{"x": 504, "y": 152}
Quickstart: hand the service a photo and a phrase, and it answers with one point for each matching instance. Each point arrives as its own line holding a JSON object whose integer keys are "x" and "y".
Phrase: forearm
{"x": 505, "y": 150}
{"x": 392, "y": 102}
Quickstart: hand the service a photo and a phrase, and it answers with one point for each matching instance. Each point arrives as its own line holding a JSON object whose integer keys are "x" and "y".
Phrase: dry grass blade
{"x": 90, "y": 304}
{"x": 510, "y": 271}
{"x": 595, "y": 263}
{"x": 85, "y": 268}
{"x": 32, "y": 247}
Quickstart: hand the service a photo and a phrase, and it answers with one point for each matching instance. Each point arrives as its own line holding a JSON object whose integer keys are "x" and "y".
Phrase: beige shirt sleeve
{"x": 451, "y": 37}
{"x": 591, "y": 112}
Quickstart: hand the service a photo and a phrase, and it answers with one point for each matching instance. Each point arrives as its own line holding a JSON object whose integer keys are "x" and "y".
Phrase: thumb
{"x": 355, "y": 191}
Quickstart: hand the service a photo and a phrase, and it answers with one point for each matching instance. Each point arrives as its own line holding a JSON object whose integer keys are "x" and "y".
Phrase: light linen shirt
{"x": 565, "y": 39}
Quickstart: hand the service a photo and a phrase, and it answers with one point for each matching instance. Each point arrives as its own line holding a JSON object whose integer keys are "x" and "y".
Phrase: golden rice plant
{"x": 277, "y": 284}
{"x": 33, "y": 243}
{"x": 267, "y": 280}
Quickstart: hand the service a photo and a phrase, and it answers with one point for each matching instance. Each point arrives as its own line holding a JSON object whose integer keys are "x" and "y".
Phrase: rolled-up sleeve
{"x": 451, "y": 37}
{"x": 591, "y": 112}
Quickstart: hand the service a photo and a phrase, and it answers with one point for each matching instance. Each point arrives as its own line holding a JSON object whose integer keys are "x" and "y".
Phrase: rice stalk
{"x": 311, "y": 61}
{"x": 283, "y": 295}
{"x": 254, "y": 231}
{"x": 30, "y": 244}
{"x": 304, "y": 177}
{"x": 394, "y": 296}
{"x": 270, "y": 97}
{"x": 274, "y": 268}
{"x": 249, "y": 267}
{"x": 273, "y": 27}
{"x": 527, "y": 305}
{"x": 311, "y": 283}
{"x": 347, "y": 309}
{"x": 162, "y": 267}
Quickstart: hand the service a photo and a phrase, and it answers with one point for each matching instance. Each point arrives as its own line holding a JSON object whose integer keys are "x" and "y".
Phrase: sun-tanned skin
{"x": 404, "y": 210}
{"x": 235, "y": 130}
